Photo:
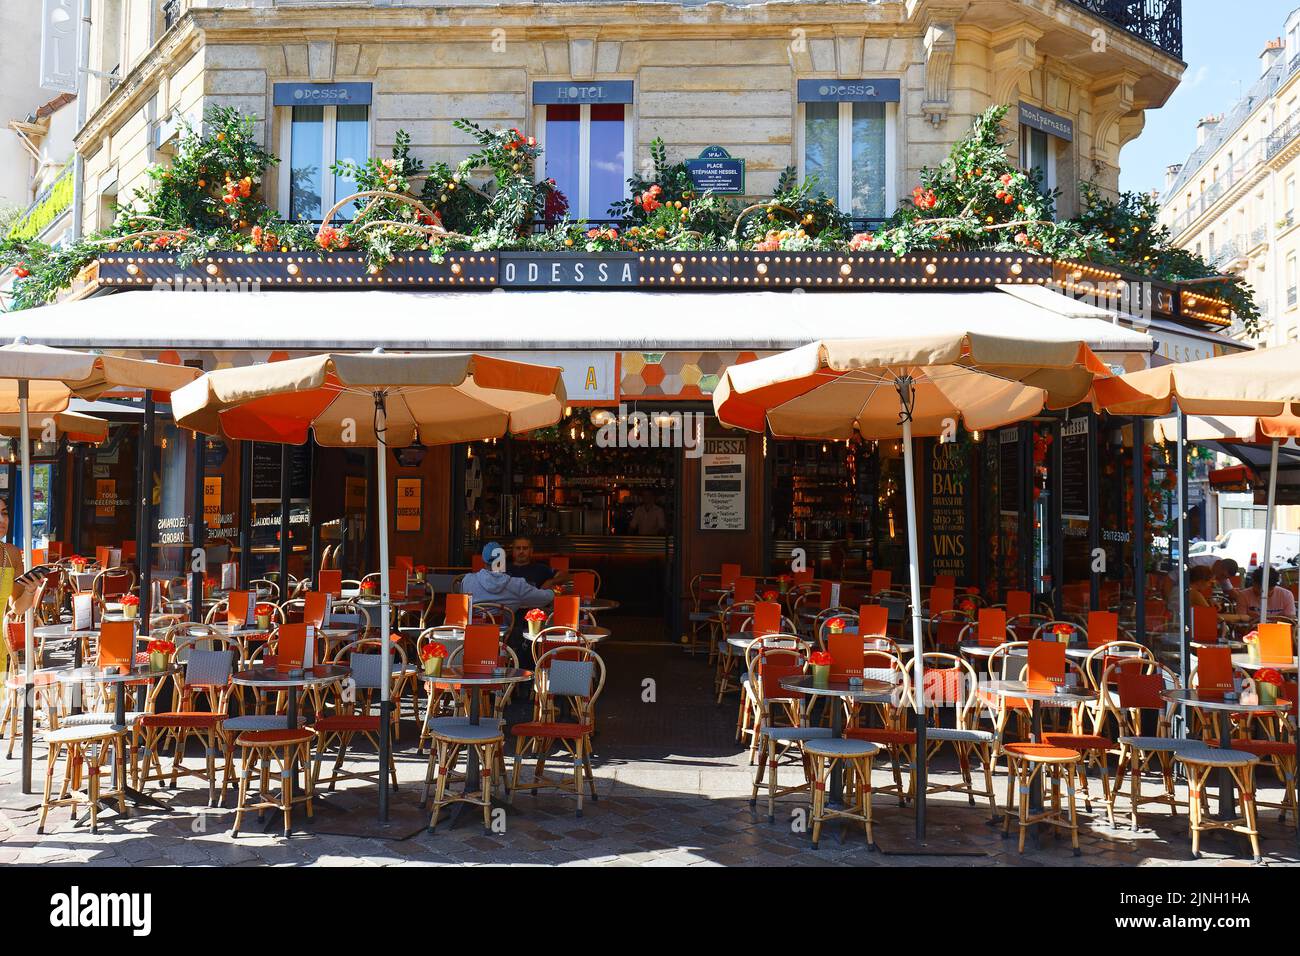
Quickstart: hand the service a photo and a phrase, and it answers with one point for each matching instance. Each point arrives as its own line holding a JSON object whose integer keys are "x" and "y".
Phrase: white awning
{"x": 571, "y": 319}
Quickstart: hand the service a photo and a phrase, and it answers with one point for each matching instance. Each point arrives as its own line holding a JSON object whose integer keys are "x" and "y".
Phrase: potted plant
{"x": 1267, "y": 683}
{"x": 1064, "y": 632}
{"x": 431, "y": 656}
{"x": 369, "y": 588}
{"x": 820, "y": 662}
{"x": 420, "y": 571}
{"x": 771, "y": 596}
{"x": 535, "y": 618}
{"x": 159, "y": 653}
{"x": 835, "y": 625}
{"x": 77, "y": 563}
{"x": 130, "y": 606}
{"x": 263, "y": 615}
{"x": 783, "y": 583}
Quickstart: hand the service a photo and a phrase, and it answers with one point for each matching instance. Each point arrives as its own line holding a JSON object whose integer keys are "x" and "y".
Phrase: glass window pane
{"x": 1033, "y": 152}
{"x": 306, "y": 147}
{"x": 821, "y": 146}
{"x": 608, "y": 184}
{"x": 868, "y": 199}
{"x": 561, "y": 151}
{"x": 351, "y": 143}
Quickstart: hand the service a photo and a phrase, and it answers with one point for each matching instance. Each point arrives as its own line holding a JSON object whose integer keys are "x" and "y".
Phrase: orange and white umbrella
{"x": 374, "y": 399}
{"x": 922, "y": 383}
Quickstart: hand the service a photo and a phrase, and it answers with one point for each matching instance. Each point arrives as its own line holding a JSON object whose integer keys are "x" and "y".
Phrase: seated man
{"x": 537, "y": 573}
{"x": 498, "y": 587}
{"x": 1200, "y": 586}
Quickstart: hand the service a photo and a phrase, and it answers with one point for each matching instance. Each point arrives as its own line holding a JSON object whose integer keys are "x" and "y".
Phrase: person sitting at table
{"x": 1200, "y": 586}
{"x": 499, "y": 587}
{"x": 1280, "y": 600}
{"x": 1225, "y": 569}
{"x": 537, "y": 573}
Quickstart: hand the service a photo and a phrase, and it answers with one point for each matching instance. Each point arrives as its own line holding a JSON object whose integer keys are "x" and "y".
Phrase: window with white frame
{"x": 585, "y": 131}
{"x": 1038, "y": 151}
{"x": 313, "y": 137}
{"x": 848, "y": 148}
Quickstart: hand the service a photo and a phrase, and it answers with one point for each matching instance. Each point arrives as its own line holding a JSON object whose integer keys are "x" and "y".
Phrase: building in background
{"x": 1234, "y": 199}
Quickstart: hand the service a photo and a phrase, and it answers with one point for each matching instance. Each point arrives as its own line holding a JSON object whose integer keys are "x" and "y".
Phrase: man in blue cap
{"x": 492, "y": 584}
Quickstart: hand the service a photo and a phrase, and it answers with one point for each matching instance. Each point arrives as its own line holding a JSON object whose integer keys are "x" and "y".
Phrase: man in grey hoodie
{"x": 499, "y": 587}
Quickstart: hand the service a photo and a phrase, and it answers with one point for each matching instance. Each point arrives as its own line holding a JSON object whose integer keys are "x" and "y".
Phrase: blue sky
{"x": 1222, "y": 54}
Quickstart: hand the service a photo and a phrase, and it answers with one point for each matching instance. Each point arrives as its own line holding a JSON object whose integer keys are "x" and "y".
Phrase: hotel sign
{"x": 1049, "y": 123}
{"x": 850, "y": 91}
{"x": 550, "y": 93}
{"x": 607, "y": 270}
{"x": 717, "y": 172}
{"x": 322, "y": 94}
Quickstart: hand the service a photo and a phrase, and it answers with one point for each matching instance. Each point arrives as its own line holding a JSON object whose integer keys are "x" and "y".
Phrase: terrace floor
{"x": 673, "y": 790}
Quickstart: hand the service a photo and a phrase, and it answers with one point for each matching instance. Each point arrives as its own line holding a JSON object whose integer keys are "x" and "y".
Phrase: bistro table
{"x": 139, "y": 674}
{"x": 1038, "y": 699}
{"x": 866, "y": 691}
{"x": 1223, "y": 710}
{"x": 590, "y": 634}
{"x": 595, "y": 605}
{"x": 473, "y": 682}
{"x": 1243, "y": 662}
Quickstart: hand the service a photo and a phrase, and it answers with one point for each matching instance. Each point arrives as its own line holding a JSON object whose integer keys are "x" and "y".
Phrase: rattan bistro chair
{"x": 348, "y": 720}
{"x": 782, "y": 726}
{"x": 574, "y": 675}
{"x": 950, "y": 682}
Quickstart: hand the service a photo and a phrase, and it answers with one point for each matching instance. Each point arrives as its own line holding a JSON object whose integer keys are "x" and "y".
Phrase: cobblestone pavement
{"x": 660, "y": 808}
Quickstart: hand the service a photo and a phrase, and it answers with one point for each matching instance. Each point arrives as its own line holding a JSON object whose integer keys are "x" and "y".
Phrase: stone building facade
{"x": 861, "y": 93}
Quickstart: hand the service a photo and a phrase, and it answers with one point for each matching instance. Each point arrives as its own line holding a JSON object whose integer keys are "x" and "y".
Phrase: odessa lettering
{"x": 563, "y": 271}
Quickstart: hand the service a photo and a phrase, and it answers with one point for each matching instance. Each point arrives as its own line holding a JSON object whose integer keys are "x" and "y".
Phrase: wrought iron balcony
{"x": 171, "y": 10}
{"x": 1158, "y": 22}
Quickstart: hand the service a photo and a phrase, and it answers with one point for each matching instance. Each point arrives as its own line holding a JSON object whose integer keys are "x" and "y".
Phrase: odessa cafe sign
{"x": 534, "y": 269}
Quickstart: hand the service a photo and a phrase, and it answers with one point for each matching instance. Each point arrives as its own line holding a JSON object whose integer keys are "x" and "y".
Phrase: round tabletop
{"x": 53, "y": 632}
{"x": 598, "y": 604}
{"x": 114, "y": 675}
{"x": 741, "y": 640}
{"x": 245, "y": 630}
{"x": 1193, "y": 698}
{"x": 1065, "y": 697}
{"x": 589, "y": 633}
{"x": 1083, "y": 651}
{"x": 977, "y": 650}
{"x": 271, "y": 677}
{"x": 455, "y": 675}
{"x": 1246, "y": 664}
{"x": 867, "y": 692}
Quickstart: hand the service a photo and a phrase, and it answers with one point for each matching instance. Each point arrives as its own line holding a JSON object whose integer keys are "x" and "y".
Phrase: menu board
{"x": 1074, "y": 469}
{"x": 948, "y": 512}
{"x": 722, "y": 485}
{"x": 266, "y": 471}
{"x": 1009, "y": 471}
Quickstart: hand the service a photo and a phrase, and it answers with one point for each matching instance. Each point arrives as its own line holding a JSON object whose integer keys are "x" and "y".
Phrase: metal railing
{"x": 1158, "y": 22}
{"x": 1290, "y": 297}
{"x": 171, "y": 11}
{"x": 1282, "y": 136}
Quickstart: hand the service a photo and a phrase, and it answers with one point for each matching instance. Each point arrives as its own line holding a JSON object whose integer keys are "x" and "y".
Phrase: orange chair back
{"x": 992, "y": 628}
{"x": 873, "y": 620}
{"x": 290, "y": 646}
{"x": 558, "y": 562}
{"x": 881, "y": 581}
{"x": 457, "y": 610}
{"x": 1018, "y": 603}
{"x": 771, "y": 673}
{"x": 728, "y": 574}
{"x": 944, "y": 686}
{"x": 102, "y": 555}
{"x": 1214, "y": 671}
{"x": 1103, "y": 627}
{"x": 476, "y": 563}
{"x": 1205, "y": 625}
{"x": 1046, "y": 665}
{"x": 1140, "y": 690}
{"x": 128, "y": 551}
{"x": 565, "y": 612}
{"x": 584, "y": 582}
{"x": 330, "y": 581}
{"x": 745, "y": 589}
{"x": 1275, "y": 645}
{"x": 482, "y": 648}
{"x": 16, "y": 637}
{"x": 116, "y": 644}
{"x": 941, "y": 599}
{"x": 824, "y": 594}
{"x": 767, "y": 618}
{"x": 846, "y": 655}
{"x": 945, "y": 581}
{"x": 313, "y": 608}
{"x": 404, "y": 561}
{"x": 803, "y": 577}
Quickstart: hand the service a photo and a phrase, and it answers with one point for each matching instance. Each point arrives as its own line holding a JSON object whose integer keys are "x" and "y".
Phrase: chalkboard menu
{"x": 1009, "y": 476}
{"x": 1074, "y": 469}
{"x": 266, "y": 471}
{"x": 949, "y": 519}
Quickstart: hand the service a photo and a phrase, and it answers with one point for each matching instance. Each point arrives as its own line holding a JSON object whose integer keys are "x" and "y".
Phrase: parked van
{"x": 1240, "y": 543}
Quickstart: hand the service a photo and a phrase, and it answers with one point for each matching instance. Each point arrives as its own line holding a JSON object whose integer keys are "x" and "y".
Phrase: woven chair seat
{"x": 1078, "y": 741}
{"x": 839, "y": 747}
{"x": 1261, "y": 748}
{"x": 274, "y": 738}
{"x": 462, "y": 731}
{"x": 76, "y": 735}
{"x": 559, "y": 731}
{"x": 792, "y": 735}
{"x": 97, "y": 718}
{"x": 1042, "y": 753}
{"x": 884, "y": 736}
{"x": 1215, "y": 756}
{"x": 959, "y": 735}
{"x": 255, "y": 722}
{"x": 343, "y": 722}
{"x": 183, "y": 720}
{"x": 1165, "y": 744}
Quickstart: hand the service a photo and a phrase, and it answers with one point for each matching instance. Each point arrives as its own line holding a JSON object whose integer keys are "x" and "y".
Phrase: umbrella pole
{"x": 385, "y": 640}
{"x": 29, "y": 641}
{"x": 1184, "y": 638}
{"x": 906, "y": 396}
{"x": 1268, "y": 535}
